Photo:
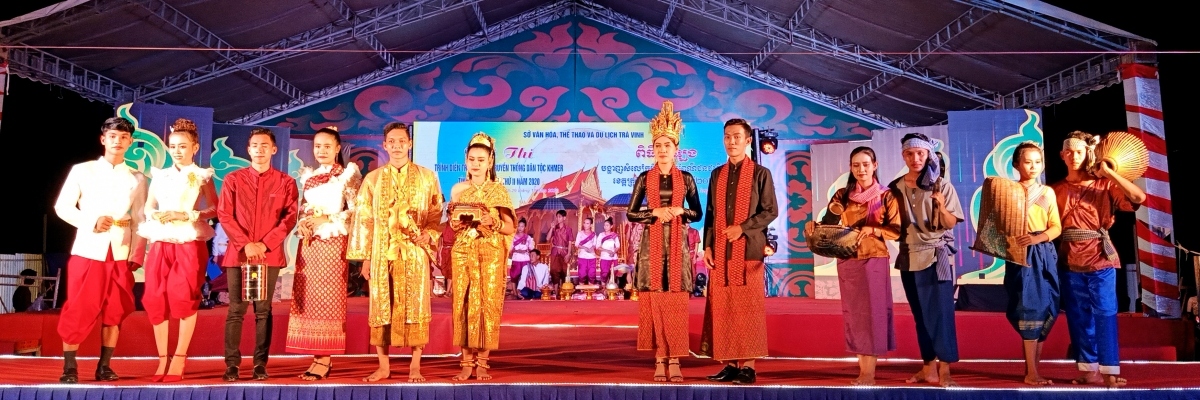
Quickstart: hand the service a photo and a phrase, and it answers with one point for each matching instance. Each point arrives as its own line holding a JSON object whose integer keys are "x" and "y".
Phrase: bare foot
{"x": 1090, "y": 377}
{"x": 660, "y": 372}
{"x": 482, "y": 374}
{"x": 864, "y": 380}
{"x": 378, "y": 375}
{"x": 414, "y": 375}
{"x": 467, "y": 369}
{"x": 1037, "y": 380}
{"x": 1114, "y": 381}
{"x": 924, "y": 375}
{"x": 947, "y": 381}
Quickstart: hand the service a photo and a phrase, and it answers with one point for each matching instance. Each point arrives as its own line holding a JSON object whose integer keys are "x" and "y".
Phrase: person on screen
{"x": 479, "y": 258}
{"x": 929, "y": 209}
{"x": 585, "y": 252}
{"x": 182, "y": 199}
{"x": 1088, "y": 202}
{"x": 395, "y": 233}
{"x": 664, "y": 268}
{"x": 533, "y": 277}
{"x": 317, "y": 318}
{"x": 561, "y": 239}
{"x": 609, "y": 247}
{"x": 257, "y": 210}
{"x": 103, "y": 199}
{"x": 741, "y": 203}
{"x": 864, "y": 281}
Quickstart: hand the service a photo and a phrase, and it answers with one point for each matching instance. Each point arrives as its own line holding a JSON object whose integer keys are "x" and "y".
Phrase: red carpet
{"x": 797, "y": 328}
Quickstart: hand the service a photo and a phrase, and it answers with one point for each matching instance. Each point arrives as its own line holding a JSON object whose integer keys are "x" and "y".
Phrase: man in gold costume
{"x": 395, "y": 234}
{"x": 481, "y": 214}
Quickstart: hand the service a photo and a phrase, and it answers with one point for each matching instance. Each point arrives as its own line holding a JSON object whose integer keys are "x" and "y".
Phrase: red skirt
{"x": 317, "y": 320}
{"x": 174, "y": 279}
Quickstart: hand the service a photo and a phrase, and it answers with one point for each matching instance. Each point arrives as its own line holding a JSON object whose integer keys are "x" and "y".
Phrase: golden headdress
{"x": 483, "y": 139}
{"x": 666, "y": 123}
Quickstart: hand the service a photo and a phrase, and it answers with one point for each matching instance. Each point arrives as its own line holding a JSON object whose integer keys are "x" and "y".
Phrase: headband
{"x": 917, "y": 142}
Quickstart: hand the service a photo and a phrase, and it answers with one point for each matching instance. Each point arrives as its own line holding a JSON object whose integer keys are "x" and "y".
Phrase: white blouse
{"x": 333, "y": 199}
{"x": 177, "y": 189}
{"x": 586, "y": 249}
{"x": 609, "y": 246}
{"x": 521, "y": 248}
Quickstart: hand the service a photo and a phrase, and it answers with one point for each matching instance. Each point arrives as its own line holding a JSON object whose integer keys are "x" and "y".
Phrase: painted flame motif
{"x": 147, "y": 150}
{"x": 999, "y": 163}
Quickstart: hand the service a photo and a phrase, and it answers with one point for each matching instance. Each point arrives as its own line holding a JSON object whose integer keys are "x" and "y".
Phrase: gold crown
{"x": 483, "y": 139}
{"x": 666, "y": 123}
{"x": 332, "y": 128}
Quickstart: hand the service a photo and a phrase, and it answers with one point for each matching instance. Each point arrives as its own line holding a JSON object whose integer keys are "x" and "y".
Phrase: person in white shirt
{"x": 534, "y": 276}
{"x": 181, "y": 201}
{"x": 103, "y": 199}
{"x": 522, "y": 244}
{"x": 585, "y": 253}
{"x": 608, "y": 245}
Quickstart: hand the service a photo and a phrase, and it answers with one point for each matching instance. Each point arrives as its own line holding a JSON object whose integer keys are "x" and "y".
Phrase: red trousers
{"x": 97, "y": 291}
{"x": 174, "y": 278}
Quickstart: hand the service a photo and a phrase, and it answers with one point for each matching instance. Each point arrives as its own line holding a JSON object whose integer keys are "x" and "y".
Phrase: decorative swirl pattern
{"x": 224, "y": 161}
{"x": 147, "y": 150}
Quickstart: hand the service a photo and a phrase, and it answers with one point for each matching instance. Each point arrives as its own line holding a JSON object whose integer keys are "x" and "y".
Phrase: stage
{"x": 585, "y": 349}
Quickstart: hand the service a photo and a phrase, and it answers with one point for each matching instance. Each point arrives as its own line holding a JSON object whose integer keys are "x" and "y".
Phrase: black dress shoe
{"x": 231, "y": 374}
{"x": 70, "y": 375}
{"x": 726, "y": 375}
{"x": 745, "y": 377}
{"x": 106, "y": 374}
{"x": 260, "y": 372}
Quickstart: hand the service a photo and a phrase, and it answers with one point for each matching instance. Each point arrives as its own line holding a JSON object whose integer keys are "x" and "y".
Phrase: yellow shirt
{"x": 1041, "y": 214}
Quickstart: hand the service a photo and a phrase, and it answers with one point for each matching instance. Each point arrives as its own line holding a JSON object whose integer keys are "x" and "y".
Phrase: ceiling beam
{"x": 667, "y": 18}
{"x": 198, "y": 33}
{"x": 773, "y": 43}
{"x": 1093, "y": 74}
{"x": 765, "y": 23}
{"x": 1095, "y": 37}
{"x": 479, "y": 17}
{"x": 934, "y": 43}
{"x": 643, "y": 30}
{"x": 40, "y": 66}
{"x": 366, "y": 22}
{"x": 23, "y": 32}
{"x": 498, "y": 31}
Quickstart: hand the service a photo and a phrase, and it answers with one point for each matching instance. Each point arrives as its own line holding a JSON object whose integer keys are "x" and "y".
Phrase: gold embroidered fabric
{"x": 394, "y": 206}
{"x": 480, "y": 272}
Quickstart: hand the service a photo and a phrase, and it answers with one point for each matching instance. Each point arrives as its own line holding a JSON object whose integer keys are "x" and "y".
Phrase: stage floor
{"x": 586, "y": 350}
{"x": 796, "y": 328}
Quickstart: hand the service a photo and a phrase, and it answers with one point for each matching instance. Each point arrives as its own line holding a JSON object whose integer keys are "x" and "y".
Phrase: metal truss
{"x": 642, "y": 29}
{"x": 344, "y": 16}
{"x": 773, "y": 43}
{"x": 182, "y": 23}
{"x": 40, "y": 66}
{"x": 772, "y": 26}
{"x": 19, "y": 33}
{"x": 667, "y": 18}
{"x": 1094, "y": 74}
{"x": 479, "y": 16}
{"x": 364, "y": 23}
{"x": 910, "y": 60}
{"x": 1095, "y": 37}
{"x": 509, "y": 27}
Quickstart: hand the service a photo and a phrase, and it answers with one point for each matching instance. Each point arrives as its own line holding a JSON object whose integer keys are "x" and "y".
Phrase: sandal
{"x": 660, "y": 377}
{"x": 316, "y": 377}
{"x": 159, "y": 378}
{"x": 676, "y": 378}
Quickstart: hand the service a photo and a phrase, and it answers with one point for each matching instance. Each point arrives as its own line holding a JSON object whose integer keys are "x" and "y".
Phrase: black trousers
{"x": 237, "y": 313}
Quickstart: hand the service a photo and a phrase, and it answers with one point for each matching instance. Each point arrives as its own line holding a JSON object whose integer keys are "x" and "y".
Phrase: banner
{"x": 584, "y": 168}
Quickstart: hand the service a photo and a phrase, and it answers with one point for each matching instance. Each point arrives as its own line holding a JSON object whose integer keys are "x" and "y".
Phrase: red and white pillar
{"x": 1156, "y": 250}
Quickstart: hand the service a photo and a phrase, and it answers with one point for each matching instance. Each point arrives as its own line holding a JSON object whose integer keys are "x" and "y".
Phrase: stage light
{"x": 768, "y": 146}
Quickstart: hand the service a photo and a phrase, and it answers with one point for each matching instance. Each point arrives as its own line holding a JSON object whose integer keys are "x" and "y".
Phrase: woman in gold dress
{"x": 481, "y": 214}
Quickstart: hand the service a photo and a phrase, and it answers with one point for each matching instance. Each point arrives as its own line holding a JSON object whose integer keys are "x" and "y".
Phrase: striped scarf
{"x": 873, "y": 198}
{"x": 658, "y": 231}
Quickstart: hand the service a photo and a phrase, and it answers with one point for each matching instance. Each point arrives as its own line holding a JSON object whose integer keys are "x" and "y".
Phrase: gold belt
{"x": 122, "y": 223}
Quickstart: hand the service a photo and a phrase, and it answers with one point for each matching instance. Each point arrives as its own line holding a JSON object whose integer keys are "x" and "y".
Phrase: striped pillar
{"x": 1156, "y": 251}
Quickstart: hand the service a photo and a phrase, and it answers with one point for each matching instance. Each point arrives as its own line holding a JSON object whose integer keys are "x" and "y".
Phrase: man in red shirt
{"x": 257, "y": 210}
{"x": 561, "y": 238}
{"x": 1088, "y": 200}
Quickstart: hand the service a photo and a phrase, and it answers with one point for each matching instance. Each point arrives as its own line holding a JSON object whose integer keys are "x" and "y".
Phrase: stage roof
{"x": 899, "y": 62}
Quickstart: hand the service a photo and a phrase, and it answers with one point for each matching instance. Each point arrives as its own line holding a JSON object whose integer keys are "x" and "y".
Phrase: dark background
{"x": 48, "y": 128}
